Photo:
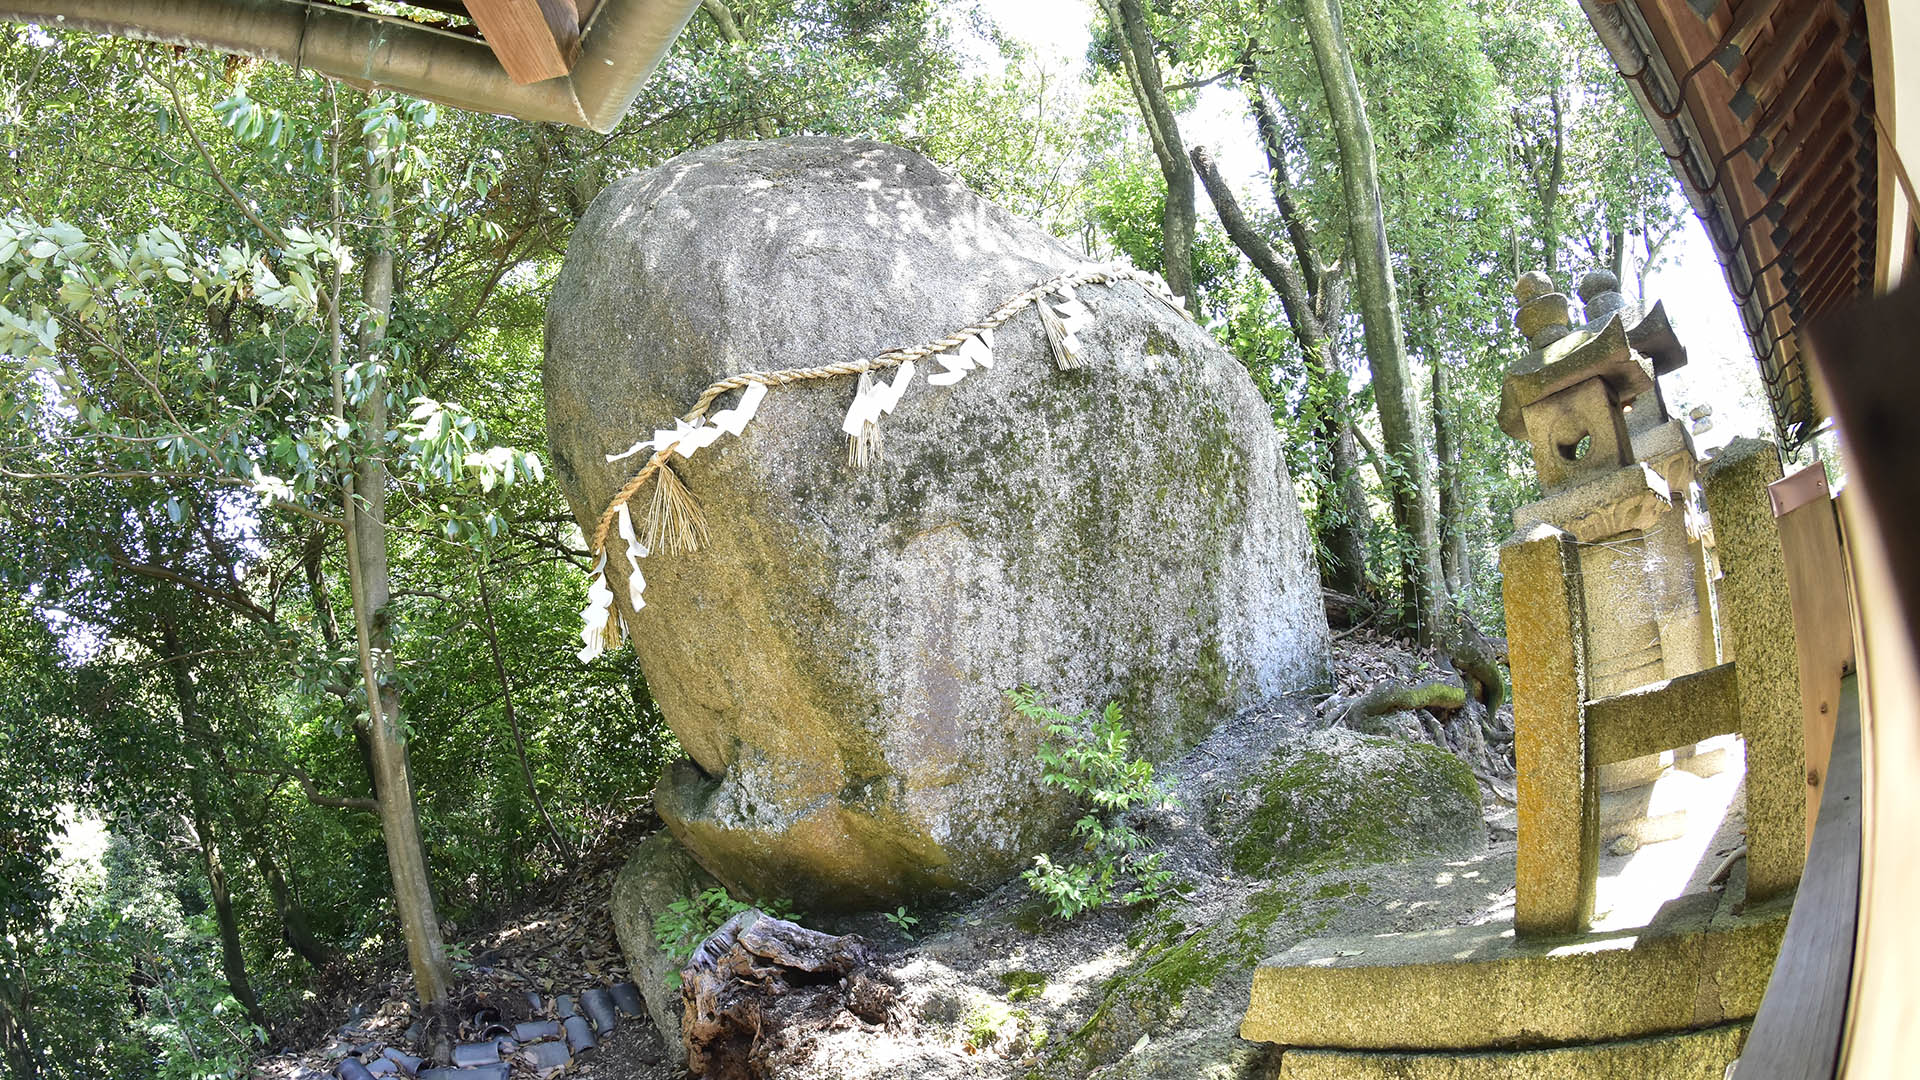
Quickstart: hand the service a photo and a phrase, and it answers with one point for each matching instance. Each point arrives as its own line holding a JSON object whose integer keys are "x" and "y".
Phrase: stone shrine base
{"x": 1659, "y": 988}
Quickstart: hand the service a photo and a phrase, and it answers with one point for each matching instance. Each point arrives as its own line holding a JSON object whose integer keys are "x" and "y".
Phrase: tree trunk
{"x": 1453, "y": 546}
{"x": 368, "y": 571}
{"x": 729, "y": 28}
{"x": 1347, "y": 569}
{"x": 293, "y": 914}
{"x": 513, "y": 720}
{"x": 1350, "y": 532}
{"x": 233, "y": 957}
{"x": 1549, "y": 189}
{"x": 1411, "y": 482}
{"x": 1347, "y": 515}
{"x": 1129, "y": 23}
{"x": 17, "y": 1038}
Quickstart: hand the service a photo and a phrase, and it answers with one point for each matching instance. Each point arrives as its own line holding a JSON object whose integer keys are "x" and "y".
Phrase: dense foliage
{"x": 267, "y": 438}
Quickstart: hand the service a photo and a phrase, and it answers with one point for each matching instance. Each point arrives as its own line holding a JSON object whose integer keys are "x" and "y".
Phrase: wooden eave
{"x": 579, "y": 62}
{"x": 1764, "y": 108}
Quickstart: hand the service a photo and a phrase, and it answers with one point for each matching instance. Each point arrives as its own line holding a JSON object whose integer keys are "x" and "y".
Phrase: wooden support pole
{"x": 1822, "y": 613}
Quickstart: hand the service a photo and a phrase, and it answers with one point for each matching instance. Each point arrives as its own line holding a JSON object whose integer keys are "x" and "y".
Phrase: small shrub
{"x": 686, "y": 923}
{"x": 989, "y": 1023}
{"x": 901, "y": 920}
{"x": 1091, "y": 758}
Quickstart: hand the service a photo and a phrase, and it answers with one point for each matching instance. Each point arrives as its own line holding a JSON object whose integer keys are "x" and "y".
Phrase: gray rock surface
{"x": 1339, "y": 798}
{"x": 659, "y": 873}
{"x": 835, "y": 660}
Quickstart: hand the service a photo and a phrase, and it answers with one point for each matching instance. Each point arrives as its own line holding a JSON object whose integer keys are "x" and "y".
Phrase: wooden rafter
{"x": 535, "y": 40}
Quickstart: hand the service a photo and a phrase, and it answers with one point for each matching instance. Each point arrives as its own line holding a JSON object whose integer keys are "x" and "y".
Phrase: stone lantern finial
{"x": 1545, "y": 316}
{"x": 1600, "y": 292}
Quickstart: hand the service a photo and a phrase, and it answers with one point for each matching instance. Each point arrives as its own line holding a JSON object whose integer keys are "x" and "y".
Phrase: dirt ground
{"x": 995, "y": 987}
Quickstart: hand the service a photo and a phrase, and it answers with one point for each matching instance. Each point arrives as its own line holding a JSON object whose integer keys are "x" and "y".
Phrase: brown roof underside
{"x": 1764, "y": 106}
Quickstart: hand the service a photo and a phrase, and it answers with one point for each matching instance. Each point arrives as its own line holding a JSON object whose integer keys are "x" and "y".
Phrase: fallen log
{"x": 760, "y": 987}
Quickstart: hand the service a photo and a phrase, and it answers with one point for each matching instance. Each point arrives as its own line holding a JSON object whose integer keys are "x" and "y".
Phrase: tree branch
{"x": 312, "y": 792}
{"x": 1280, "y": 180}
{"x": 1284, "y": 279}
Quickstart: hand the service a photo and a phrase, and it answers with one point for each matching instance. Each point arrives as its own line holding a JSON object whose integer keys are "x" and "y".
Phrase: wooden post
{"x": 1822, "y": 612}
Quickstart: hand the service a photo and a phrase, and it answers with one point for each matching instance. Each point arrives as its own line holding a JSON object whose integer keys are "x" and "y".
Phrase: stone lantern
{"x": 1618, "y": 474}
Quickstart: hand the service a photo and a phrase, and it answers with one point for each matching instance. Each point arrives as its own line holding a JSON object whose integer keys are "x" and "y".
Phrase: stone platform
{"x": 1670, "y": 998}
{"x": 1690, "y": 1055}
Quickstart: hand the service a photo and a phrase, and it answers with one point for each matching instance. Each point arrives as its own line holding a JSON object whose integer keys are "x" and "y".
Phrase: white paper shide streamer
{"x": 974, "y": 352}
{"x": 595, "y": 616}
{"x": 636, "y": 585}
{"x": 684, "y": 438}
{"x": 873, "y": 399}
{"x": 599, "y": 629}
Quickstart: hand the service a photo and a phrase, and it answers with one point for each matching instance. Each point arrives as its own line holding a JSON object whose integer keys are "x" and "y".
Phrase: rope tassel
{"x": 675, "y": 520}
{"x": 1066, "y": 347}
{"x": 863, "y": 422}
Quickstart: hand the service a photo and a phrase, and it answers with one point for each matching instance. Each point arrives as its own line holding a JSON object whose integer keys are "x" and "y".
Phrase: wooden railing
{"x": 1797, "y": 1034}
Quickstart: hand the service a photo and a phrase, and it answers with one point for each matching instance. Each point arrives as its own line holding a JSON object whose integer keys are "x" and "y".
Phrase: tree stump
{"x": 760, "y": 987}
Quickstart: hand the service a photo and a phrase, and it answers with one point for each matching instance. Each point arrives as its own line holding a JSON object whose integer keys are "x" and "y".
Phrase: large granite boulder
{"x": 836, "y": 658}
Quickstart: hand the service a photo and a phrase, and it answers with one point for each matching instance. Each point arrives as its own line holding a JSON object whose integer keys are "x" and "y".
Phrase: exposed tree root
{"x": 1393, "y": 697}
{"x": 761, "y": 987}
{"x": 1474, "y": 657}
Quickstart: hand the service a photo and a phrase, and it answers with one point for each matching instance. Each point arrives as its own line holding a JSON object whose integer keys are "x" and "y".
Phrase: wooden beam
{"x": 535, "y": 40}
{"x": 1822, "y": 612}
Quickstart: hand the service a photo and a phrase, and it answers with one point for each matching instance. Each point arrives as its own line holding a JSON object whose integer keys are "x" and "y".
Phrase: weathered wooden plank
{"x": 535, "y": 40}
{"x": 1796, "y": 1035}
{"x": 1822, "y": 611}
{"x": 1665, "y": 715}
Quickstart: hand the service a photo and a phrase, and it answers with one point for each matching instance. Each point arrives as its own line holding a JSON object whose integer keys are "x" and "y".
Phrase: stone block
{"x": 1668, "y": 447}
{"x": 1545, "y": 319}
{"x": 1546, "y": 635}
{"x": 1481, "y": 987}
{"x": 1629, "y": 774}
{"x": 1533, "y": 283}
{"x": 1664, "y": 715}
{"x": 1683, "y": 640}
{"x": 1573, "y": 359}
{"x": 1630, "y": 499}
{"x": 1576, "y": 434}
{"x": 1651, "y": 813}
{"x": 1757, "y": 625}
{"x": 1623, "y": 632}
{"x": 1709, "y": 758}
{"x": 658, "y": 873}
{"x": 1689, "y": 1055}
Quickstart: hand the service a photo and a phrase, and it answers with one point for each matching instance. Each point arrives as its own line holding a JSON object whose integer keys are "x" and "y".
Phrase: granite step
{"x": 1690, "y": 1055}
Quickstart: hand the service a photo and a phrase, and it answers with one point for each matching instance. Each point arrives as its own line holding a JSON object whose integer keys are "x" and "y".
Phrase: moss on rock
{"x": 1344, "y": 799}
